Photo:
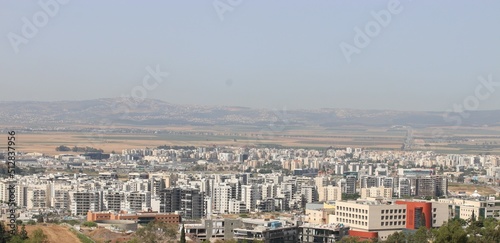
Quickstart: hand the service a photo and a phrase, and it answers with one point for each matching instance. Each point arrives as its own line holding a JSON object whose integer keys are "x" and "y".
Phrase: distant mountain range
{"x": 127, "y": 111}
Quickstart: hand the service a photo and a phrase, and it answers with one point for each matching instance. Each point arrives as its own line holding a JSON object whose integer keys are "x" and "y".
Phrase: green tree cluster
{"x": 63, "y": 148}
{"x": 89, "y": 224}
{"x": 350, "y": 196}
{"x": 157, "y": 232}
{"x": 456, "y": 230}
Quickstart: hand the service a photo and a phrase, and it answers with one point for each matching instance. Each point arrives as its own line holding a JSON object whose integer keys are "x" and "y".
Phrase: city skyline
{"x": 249, "y": 121}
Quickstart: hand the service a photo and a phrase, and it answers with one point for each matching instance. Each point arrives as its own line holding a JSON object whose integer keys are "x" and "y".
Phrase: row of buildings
{"x": 310, "y": 190}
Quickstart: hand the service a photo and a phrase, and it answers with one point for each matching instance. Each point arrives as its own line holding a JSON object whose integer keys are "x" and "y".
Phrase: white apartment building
{"x": 221, "y": 198}
{"x": 59, "y": 196}
{"x": 138, "y": 201}
{"x": 237, "y": 207}
{"x": 309, "y": 192}
{"x": 136, "y": 185}
{"x": 249, "y": 195}
{"x": 113, "y": 200}
{"x": 82, "y": 202}
{"x": 369, "y": 216}
{"x": 269, "y": 190}
{"x": 329, "y": 193}
{"x": 321, "y": 181}
{"x": 37, "y": 197}
{"x": 383, "y": 192}
{"x": 4, "y": 190}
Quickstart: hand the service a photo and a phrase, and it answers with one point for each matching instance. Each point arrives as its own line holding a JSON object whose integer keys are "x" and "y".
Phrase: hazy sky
{"x": 254, "y": 53}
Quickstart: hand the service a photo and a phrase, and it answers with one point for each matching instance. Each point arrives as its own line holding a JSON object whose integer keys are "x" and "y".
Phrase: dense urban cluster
{"x": 256, "y": 194}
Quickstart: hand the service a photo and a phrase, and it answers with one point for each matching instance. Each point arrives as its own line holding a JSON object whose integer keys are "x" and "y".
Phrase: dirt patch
{"x": 469, "y": 189}
{"x": 104, "y": 235}
{"x": 55, "y": 233}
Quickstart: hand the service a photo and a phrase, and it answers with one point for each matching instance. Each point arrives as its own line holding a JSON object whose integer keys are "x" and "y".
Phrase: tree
{"x": 156, "y": 232}
{"x": 354, "y": 196}
{"x": 183, "y": 235}
{"x": 398, "y": 237}
{"x": 4, "y": 234}
{"x": 350, "y": 239}
{"x": 63, "y": 148}
{"x": 422, "y": 220}
{"x": 451, "y": 232}
{"x": 421, "y": 235}
{"x": 38, "y": 237}
{"x": 89, "y": 224}
{"x": 16, "y": 239}
{"x": 24, "y": 234}
{"x": 491, "y": 230}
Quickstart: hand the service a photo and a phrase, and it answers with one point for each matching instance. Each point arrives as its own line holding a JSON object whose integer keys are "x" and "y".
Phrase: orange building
{"x": 364, "y": 235}
{"x": 139, "y": 217}
{"x": 417, "y": 213}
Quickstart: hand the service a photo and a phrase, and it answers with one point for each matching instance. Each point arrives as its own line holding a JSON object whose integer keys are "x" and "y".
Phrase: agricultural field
{"x": 471, "y": 140}
{"x": 462, "y": 140}
{"x": 375, "y": 138}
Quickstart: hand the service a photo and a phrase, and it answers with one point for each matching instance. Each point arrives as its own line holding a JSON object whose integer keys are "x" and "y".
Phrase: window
{"x": 382, "y": 217}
